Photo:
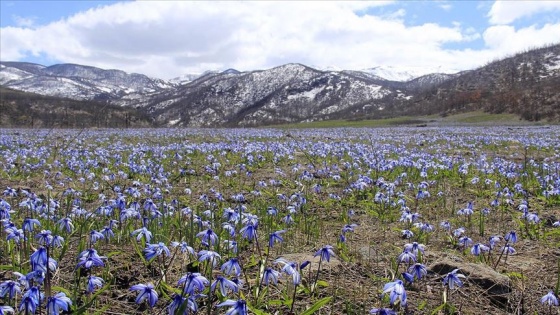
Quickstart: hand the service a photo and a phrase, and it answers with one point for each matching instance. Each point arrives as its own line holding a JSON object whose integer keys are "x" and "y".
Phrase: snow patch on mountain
{"x": 307, "y": 94}
{"x": 77, "y": 81}
{"x": 185, "y": 78}
{"x": 9, "y": 74}
{"x": 404, "y": 74}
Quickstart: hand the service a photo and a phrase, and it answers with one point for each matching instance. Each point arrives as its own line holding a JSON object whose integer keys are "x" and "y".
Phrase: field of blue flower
{"x": 265, "y": 221}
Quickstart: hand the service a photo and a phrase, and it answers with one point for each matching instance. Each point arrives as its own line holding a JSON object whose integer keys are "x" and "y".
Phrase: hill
{"x": 24, "y": 109}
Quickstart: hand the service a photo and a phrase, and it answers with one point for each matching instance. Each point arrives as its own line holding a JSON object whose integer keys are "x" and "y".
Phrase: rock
{"x": 497, "y": 286}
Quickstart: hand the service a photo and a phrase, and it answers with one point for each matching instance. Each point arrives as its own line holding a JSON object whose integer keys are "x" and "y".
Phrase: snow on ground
{"x": 307, "y": 94}
{"x": 403, "y": 74}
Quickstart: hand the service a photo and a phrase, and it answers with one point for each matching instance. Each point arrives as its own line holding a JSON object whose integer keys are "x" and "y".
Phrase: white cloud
{"x": 506, "y": 12}
{"x": 24, "y": 21}
{"x": 505, "y": 39}
{"x": 166, "y": 39}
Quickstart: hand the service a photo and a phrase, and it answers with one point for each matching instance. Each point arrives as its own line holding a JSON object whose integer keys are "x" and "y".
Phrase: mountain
{"x": 25, "y": 109}
{"x": 403, "y": 74}
{"x": 288, "y": 93}
{"x": 526, "y": 84}
{"x": 184, "y": 79}
{"x": 78, "y": 82}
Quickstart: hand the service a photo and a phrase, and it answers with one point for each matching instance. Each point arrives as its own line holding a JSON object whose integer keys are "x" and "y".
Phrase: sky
{"x": 167, "y": 39}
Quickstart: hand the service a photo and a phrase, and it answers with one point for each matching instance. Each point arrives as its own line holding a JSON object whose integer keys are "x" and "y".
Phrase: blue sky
{"x": 39, "y": 12}
{"x": 166, "y": 39}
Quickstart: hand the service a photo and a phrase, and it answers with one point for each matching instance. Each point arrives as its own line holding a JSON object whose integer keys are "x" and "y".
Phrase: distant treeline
{"x": 23, "y": 109}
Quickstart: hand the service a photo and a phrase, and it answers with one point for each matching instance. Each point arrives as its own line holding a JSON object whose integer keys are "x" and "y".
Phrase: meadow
{"x": 399, "y": 220}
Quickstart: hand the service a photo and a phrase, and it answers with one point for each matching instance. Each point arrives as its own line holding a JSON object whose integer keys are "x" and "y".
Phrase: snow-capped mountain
{"x": 295, "y": 92}
{"x": 404, "y": 74}
{"x": 17, "y": 71}
{"x": 288, "y": 93}
{"x": 185, "y": 78}
{"x": 78, "y": 81}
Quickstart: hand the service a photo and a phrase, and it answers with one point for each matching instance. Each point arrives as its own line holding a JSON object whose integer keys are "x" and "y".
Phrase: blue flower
{"x": 275, "y": 237}
{"x": 11, "y": 288}
{"x": 382, "y": 311}
{"x": 549, "y": 299}
{"x": 452, "y": 279}
{"x": 14, "y": 234}
{"x": 271, "y": 210}
{"x": 35, "y": 276}
{"x": 12, "y": 192}
{"x": 396, "y": 292}
{"x": 209, "y": 255}
{"x": 94, "y": 236}
{"x": 30, "y": 301}
{"x": 458, "y": 232}
{"x": 425, "y": 227}
{"x": 270, "y": 275}
{"x": 342, "y": 238}
{"x": 290, "y": 268}
{"x": 142, "y": 232}
{"x": 231, "y": 245}
{"x": 493, "y": 240}
{"x": 208, "y": 235}
{"x": 183, "y": 247}
{"x": 29, "y": 224}
{"x": 155, "y": 250}
{"x": 445, "y": 225}
{"x": 407, "y": 234}
{"x": 28, "y": 305}
{"x": 192, "y": 282}
{"x": 21, "y": 279}
{"x": 44, "y": 237}
{"x": 39, "y": 258}
{"x": 479, "y": 248}
{"x": 224, "y": 285}
{"x": 146, "y": 292}
{"x": 249, "y": 231}
{"x": 89, "y": 258}
{"x": 231, "y": 267}
{"x": 407, "y": 257}
{"x": 407, "y": 277}
{"x": 66, "y": 225}
{"x": 57, "y": 241}
{"x": 229, "y": 227}
{"x": 5, "y": 309}
{"x": 508, "y": 249}
{"x": 93, "y": 282}
{"x": 349, "y": 228}
{"x": 511, "y": 237}
{"x": 465, "y": 241}
{"x": 288, "y": 219}
{"x": 58, "y": 302}
{"x": 238, "y": 307}
{"x": 418, "y": 271}
{"x": 107, "y": 231}
{"x": 176, "y": 305}
{"x": 414, "y": 247}
{"x": 326, "y": 252}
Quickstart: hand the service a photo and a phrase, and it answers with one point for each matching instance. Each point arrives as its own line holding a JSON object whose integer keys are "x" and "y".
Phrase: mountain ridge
{"x": 297, "y": 92}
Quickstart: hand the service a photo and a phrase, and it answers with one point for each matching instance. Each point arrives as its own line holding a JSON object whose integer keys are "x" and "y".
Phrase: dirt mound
{"x": 497, "y": 287}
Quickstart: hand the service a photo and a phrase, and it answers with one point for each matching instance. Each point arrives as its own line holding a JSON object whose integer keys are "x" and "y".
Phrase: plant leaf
{"x": 317, "y": 306}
